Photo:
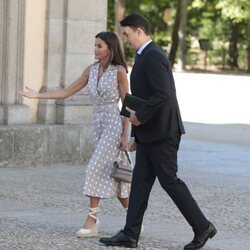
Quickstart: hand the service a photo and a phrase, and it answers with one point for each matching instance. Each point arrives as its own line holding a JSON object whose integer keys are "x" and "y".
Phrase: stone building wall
{"x": 46, "y": 44}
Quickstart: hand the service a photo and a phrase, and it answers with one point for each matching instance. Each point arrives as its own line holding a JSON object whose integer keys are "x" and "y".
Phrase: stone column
{"x": 12, "y": 16}
{"x": 54, "y": 58}
{"x": 71, "y": 28}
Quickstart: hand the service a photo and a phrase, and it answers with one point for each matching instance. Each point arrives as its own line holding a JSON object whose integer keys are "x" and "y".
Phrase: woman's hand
{"x": 30, "y": 93}
{"x": 132, "y": 145}
{"x": 123, "y": 142}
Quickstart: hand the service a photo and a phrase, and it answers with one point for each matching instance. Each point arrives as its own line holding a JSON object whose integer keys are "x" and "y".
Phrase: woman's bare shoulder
{"x": 122, "y": 70}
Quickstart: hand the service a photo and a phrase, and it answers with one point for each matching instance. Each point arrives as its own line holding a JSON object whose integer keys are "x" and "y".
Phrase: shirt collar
{"x": 139, "y": 51}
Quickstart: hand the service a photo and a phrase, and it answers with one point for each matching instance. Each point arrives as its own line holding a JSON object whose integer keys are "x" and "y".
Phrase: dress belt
{"x": 100, "y": 107}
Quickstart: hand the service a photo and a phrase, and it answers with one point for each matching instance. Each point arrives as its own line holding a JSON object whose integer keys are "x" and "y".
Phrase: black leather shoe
{"x": 120, "y": 239}
{"x": 200, "y": 240}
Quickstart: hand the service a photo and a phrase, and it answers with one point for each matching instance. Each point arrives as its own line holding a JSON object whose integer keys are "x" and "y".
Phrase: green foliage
{"x": 111, "y": 16}
{"x": 237, "y": 10}
{"x": 209, "y": 19}
{"x": 154, "y": 11}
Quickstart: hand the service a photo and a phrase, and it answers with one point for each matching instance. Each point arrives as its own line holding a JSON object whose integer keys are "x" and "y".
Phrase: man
{"x": 157, "y": 128}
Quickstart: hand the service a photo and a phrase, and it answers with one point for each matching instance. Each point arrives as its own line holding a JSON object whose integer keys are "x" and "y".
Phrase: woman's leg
{"x": 94, "y": 203}
{"x": 124, "y": 202}
{"x": 91, "y": 225}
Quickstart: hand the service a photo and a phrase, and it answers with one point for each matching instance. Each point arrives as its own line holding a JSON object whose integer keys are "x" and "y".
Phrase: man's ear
{"x": 140, "y": 32}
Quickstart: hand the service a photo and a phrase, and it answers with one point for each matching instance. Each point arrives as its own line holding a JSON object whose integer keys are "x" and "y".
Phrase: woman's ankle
{"x": 89, "y": 222}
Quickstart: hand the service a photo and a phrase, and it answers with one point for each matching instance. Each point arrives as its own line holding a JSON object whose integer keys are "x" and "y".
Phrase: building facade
{"x": 46, "y": 44}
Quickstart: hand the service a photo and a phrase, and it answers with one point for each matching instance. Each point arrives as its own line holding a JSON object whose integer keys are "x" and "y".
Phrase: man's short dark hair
{"x": 136, "y": 20}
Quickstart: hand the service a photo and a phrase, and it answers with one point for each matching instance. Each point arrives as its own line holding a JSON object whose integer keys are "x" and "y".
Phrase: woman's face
{"x": 102, "y": 51}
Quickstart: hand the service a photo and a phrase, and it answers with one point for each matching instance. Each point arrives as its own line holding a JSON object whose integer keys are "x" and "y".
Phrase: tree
{"x": 248, "y": 48}
{"x": 175, "y": 36}
{"x": 238, "y": 12}
{"x": 233, "y": 42}
{"x": 111, "y": 15}
{"x": 182, "y": 35}
{"x": 119, "y": 8}
{"x": 154, "y": 12}
{"x": 224, "y": 23}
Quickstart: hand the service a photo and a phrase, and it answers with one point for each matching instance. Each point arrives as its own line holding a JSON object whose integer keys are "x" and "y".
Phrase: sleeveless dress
{"x": 106, "y": 131}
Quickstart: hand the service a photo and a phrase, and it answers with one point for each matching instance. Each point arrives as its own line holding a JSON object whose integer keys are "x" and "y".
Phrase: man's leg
{"x": 143, "y": 180}
{"x": 166, "y": 168}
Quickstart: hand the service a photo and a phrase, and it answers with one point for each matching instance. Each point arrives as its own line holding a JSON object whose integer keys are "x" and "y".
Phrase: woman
{"x": 107, "y": 83}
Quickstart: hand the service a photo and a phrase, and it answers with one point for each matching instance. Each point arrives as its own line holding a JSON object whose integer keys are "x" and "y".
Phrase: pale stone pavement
{"x": 43, "y": 207}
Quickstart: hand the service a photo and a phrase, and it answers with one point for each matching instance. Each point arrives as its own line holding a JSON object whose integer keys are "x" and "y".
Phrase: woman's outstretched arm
{"x": 74, "y": 87}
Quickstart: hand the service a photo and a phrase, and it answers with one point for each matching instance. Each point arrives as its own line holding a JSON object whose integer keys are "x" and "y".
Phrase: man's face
{"x": 131, "y": 37}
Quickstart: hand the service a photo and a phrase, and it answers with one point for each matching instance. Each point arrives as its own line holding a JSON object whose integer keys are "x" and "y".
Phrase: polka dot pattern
{"x": 106, "y": 131}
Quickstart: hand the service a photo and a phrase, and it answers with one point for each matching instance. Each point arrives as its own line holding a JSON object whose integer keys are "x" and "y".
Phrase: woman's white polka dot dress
{"x": 106, "y": 131}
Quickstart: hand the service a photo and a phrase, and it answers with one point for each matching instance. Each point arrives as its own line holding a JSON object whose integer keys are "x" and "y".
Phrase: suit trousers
{"x": 159, "y": 159}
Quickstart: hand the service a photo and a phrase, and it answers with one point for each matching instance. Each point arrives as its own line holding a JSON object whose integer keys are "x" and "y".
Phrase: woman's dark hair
{"x": 113, "y": 43}
{"x": 136, "y": 20}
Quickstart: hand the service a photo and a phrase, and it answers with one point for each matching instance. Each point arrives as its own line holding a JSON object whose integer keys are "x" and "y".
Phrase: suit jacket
{"x": 152, "y": 79}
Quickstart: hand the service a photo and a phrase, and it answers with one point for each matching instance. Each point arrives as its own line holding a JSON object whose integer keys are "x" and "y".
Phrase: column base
{"x": 73, "y": 114}
{"x": 15, "y": 114}
{"x": 74, "y": 110}
{"x": 46, "y": 113}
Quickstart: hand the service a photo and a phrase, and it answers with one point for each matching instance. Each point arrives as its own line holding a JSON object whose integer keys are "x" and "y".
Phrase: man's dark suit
{"x": 158, "y": 139}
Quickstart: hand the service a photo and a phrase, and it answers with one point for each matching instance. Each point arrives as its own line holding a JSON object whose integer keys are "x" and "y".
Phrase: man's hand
{"x": 133, "y": 119}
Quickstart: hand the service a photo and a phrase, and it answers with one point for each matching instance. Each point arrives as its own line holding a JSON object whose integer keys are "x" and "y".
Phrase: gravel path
{"x": 43, "y": 207}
